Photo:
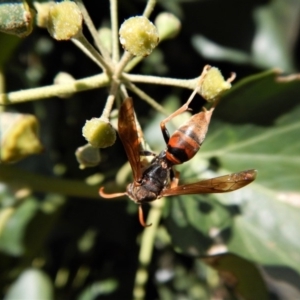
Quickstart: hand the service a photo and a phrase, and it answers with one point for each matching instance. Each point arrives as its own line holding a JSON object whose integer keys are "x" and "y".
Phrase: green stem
{"x": 80, "y": 85}
{"x": 115, "y": 84}
{"x": 149, "y": 8}
{"x": 182, "y": 83}
{"x": 39, "y": 183}
{"x": 2, "y": 85}
{"x": 90, "y": 25}
{"x": 146, "y": 249}
{"x": 83, "y": 44}
{"x": 146, "y": 98}
{"x": 114, "y": 30}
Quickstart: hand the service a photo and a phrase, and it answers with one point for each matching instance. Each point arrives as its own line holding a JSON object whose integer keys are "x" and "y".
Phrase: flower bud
{"x": 61, "y": 78}
{"x": 18, "y": 133}
{"x": 16, "y": 18}
{"x": 138, "y": 36}
{"x": 65, "y": 20}
{"x": 213, "y": 85}
{"x": 168, "y": 26}
{"x": 99, "y": 133}
{"x": 42, "y": 15}
{"x": 87, "y": 156}
{"x": 104, "y": 34}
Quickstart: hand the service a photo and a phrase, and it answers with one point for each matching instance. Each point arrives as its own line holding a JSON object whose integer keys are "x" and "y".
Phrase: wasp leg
{"x": 175, "y": 179}
{"x": 184, "y": 107}
{"x": 231, "y": 78}
{"x": 147, "y": 153}
{"x": 141, "y": 217}
{"x": 109, "y": 196}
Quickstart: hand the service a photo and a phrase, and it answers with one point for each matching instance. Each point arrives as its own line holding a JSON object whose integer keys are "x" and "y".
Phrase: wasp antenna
{"x": 141, "y": 217}
{"x": 109, "y": 196}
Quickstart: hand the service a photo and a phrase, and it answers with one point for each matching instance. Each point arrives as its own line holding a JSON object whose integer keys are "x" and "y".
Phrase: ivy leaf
{"x": 260, "y": 98}
{"x": 273, "y": 42}
{"x": 258, "y": 222}
{"x": 239, "y": 274}
{"x": 31, "y": 284}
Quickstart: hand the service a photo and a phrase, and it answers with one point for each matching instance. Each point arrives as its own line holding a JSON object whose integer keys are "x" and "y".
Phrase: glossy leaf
{"x": 32, "y": 284}
{"x": 273, "y": 41}
{"x": 241, "y": 275}
{"x": 259, "y": 98}
{"x": 259, "y": 225}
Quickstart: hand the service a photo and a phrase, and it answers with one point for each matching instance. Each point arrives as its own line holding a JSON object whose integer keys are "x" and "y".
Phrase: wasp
{"x": 159, "y": 179}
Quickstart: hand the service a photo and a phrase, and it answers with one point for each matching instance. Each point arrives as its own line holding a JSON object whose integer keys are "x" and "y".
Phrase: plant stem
{"x": 82, "y": 43}
{"x": 2, "y": 86}
{"x": 5, "y": 215}
{"x": 149, "y": 8}
{"x": 146, "y": 98}
{"x": 45, "y": 184}
{"x": 146, "y": 250}
{"x": 114, "y": 30}
{"x": 182, "y": 83}
{"x": 90, "y": 25}
{"x": 115, "y": 84}
{"x": 126, "y": 57}
{"x": 84, "y": 84}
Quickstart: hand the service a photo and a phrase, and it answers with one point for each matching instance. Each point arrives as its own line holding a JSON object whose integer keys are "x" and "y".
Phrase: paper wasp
{"x": 159, "y": 179}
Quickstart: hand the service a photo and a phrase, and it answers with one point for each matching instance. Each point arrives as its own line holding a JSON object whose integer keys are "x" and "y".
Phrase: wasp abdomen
{"x": 186, "y": 141}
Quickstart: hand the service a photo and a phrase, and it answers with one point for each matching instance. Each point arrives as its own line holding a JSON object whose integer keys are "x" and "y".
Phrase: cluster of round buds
{"x": 214, "y": 84}
{"x": 99, "y": 133}
{"x": 64, "y": 20}
{"x": 138, "y": 36}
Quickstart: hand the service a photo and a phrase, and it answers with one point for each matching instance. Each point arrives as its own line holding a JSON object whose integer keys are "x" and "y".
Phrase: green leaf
{"x": 32, "y": 284}
{"x": 96, "y": 289}
{"x": 273, "y": 151}
{"x": 240, "y": 274}
{"x": 258, "y": 222}
{"x": 209, "y": 49}
{"x": 259, "y": 98}
{"x": 12, "y": 236}
{"x": 273, "y": 42}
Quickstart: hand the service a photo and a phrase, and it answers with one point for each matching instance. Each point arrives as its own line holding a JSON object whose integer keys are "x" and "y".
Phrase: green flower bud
{"x": 168, "y": 26}
{"x": 42, "y": 13}
{"x": 19, "y": 138}
{"x": 138, "y": 36}
{"x": 61, "y": 78}
{"x": 65, "y": 20}
{"x": 87, "y": 156}
{"x": 104, "y": 34}
{"x": 99, "y": 133}
{"x": 16, "y": 18}
{"x": 213, "y": 85}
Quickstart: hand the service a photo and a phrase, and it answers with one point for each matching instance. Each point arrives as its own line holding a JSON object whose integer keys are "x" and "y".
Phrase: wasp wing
{"x": 129, "y": 136}
{"x": 222, "y": 184}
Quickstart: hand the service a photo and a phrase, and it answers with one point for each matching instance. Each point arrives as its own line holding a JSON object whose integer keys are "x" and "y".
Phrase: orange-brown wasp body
{"x": 159, "y": 179}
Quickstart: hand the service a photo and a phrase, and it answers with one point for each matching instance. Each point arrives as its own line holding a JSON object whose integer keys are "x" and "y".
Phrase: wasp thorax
{"x": 140, "y": 194}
